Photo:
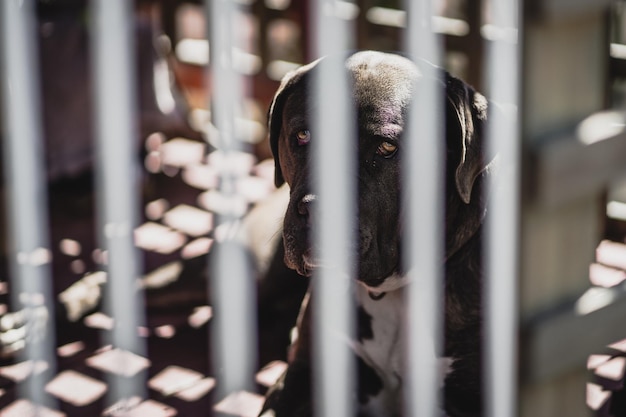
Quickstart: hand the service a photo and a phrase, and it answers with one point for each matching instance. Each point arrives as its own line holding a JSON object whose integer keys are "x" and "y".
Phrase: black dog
{"x": 382, "y": 89}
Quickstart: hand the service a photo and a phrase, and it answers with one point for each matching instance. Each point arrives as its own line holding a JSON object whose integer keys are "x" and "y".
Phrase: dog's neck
{"x": 391, "y": 283}
{"x": 381, "y": 344}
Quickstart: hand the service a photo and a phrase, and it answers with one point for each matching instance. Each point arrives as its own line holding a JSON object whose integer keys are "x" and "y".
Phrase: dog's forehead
{"x": 381, "y": 86}
{"x": 382, "y": 90}
{"x": 382, "y": 65}
{"x": 382, "y": 77}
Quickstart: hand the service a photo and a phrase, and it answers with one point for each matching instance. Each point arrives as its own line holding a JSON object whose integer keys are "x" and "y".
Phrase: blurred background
{"x": 572, "y": 305}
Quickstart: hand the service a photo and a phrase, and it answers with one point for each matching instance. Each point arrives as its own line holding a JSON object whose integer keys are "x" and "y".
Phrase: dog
{"x": 382, "y": 88}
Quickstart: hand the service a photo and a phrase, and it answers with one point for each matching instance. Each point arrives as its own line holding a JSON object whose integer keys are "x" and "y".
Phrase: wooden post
{"x": 564, "y": 70}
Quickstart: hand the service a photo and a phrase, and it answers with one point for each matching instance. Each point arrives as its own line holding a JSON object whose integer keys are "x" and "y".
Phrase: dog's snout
{"x": 305, "y": 204}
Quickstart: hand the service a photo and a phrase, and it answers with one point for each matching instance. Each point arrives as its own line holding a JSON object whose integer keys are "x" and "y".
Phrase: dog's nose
{"x": 305, "y": 204}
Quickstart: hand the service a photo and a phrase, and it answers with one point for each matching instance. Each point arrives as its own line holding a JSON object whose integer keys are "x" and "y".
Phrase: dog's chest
{"x": 380, "y": 347}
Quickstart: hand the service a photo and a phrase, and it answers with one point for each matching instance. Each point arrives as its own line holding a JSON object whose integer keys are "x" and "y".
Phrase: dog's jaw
{"x": 302, "y": 264}
{"x": 301, "y": 256}
{"x": 309, "y": 262}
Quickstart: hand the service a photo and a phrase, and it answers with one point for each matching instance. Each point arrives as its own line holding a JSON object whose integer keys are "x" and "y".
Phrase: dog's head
{"x": 382, "y": 87}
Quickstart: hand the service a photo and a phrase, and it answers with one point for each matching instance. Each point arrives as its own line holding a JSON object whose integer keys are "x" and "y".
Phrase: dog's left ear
{"x": 466, "y": 114}
{"x": 275, "y": 113}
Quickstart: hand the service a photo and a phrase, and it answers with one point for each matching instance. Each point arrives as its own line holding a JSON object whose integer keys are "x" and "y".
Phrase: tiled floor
{"x": 177, "y": 231}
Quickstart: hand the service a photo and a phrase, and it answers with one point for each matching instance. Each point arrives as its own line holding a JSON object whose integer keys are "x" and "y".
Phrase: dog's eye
{"x": 387, "y": 149}
{"x": 304, "y": 137}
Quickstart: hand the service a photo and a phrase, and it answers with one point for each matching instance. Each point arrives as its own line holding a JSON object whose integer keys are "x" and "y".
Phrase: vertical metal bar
{"x": 234, "y": 332}
{"x": 335, "y": 187}
{"x": 117, "y": 196}
{"x": 424, "y": 204}
{"x": 27, "y": 194}
{"x": 503, "y": 78}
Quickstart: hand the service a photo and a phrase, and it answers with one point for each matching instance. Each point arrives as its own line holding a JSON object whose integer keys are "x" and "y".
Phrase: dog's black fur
{"x": 383, "y": 86}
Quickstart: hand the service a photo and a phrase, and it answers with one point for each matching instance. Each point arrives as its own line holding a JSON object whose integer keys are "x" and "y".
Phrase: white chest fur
{"x": 384, "y": 351}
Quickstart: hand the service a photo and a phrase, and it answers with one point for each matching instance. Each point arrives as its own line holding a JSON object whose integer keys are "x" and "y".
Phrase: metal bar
{"x": 501, "y": 316}
{"x": 423, "y": 188}
{"x": 117, "y": 196}
{"x": 27, "y": 194}
{"x": 234, "y": 332}
{"x": 335, "y": 187}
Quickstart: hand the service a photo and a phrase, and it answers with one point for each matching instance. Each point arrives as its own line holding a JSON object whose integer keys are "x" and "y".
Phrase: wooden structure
{"x": 567, "y": 70}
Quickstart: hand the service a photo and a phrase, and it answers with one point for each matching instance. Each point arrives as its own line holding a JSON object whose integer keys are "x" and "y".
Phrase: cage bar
{"x": 501, "y": 312}
{"x": 334, "y": 188}
{"x": 234, "y": 333}
{"x": 117, "y": 181}
{"x": 27, "y": 195}
{"x": 424, "y": 188}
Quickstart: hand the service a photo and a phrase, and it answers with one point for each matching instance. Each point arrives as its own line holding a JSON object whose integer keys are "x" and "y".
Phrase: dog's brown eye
{"x": 386, "y": 149}
{"x": 304, "y": 137}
